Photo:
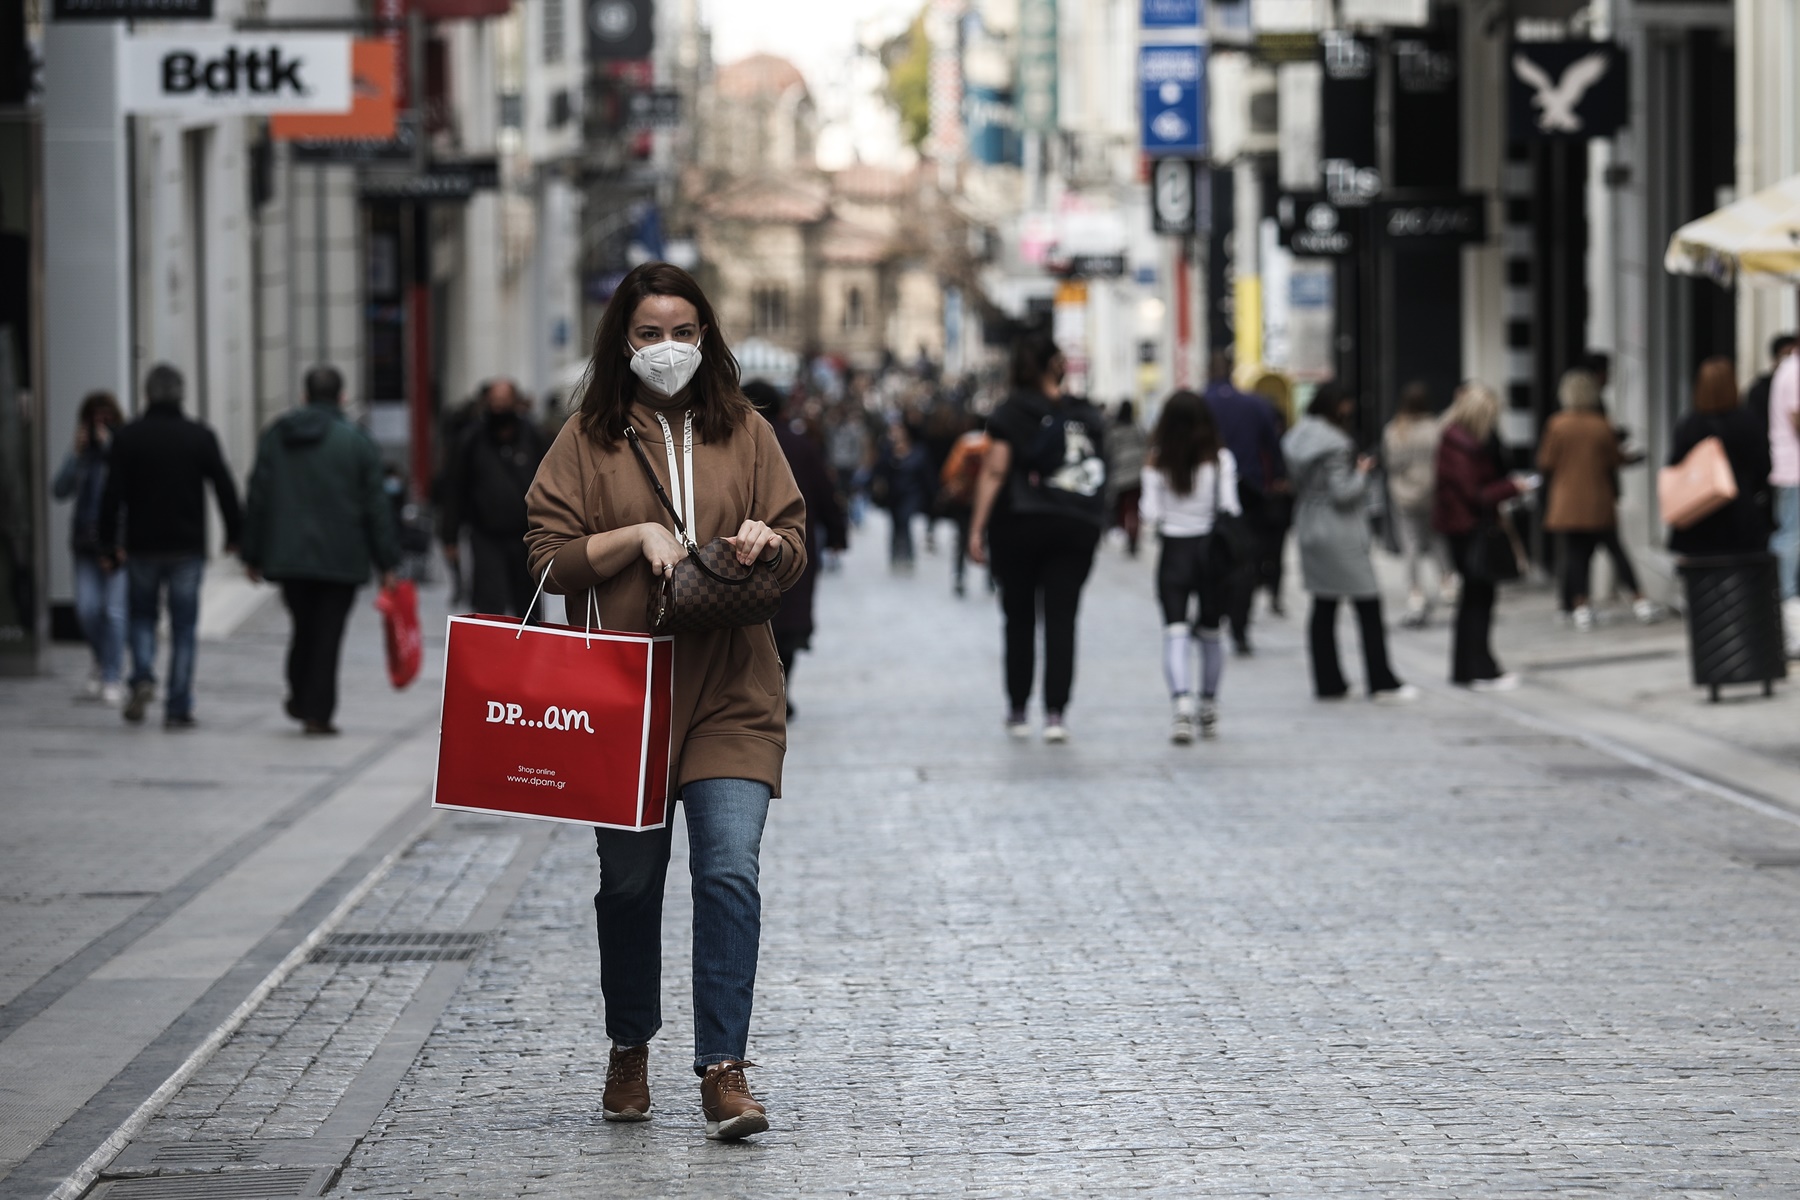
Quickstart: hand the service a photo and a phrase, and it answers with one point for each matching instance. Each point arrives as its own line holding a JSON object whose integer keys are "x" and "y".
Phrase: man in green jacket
{"x": 317, "y": 519}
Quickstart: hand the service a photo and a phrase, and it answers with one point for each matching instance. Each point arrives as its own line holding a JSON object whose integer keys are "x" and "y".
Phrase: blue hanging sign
{"x": 1170, "y": 14}
{"x": 1172, "y": 84}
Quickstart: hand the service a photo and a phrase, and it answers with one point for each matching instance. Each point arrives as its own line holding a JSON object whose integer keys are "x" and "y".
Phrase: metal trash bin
{"x": 1734, "y": 621}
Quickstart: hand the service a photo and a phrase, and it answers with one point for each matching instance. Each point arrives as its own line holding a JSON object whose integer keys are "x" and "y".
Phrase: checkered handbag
{"x": 710, "y": 588}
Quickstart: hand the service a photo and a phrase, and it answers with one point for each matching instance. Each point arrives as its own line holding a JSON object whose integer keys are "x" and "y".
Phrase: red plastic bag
{"x": 555, "y": 722}
{"x": 398, "y": 604}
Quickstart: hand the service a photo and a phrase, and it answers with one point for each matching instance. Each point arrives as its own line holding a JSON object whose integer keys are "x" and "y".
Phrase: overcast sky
{"x": 821, "y": 37}
{"x": 815, "y": 35}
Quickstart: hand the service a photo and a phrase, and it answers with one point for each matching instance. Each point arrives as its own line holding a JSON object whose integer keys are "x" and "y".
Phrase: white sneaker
{"x": 1055, "y": 732}
{"x": 1790, "y": 623}
{"x": 91, "y": 688}
{"x": 1209, "y": 718}
{"x": 112, "y": 694}
{"x": 1646, "y": 610}
{"x": 1017, "y": 727}
{"x": 1508, "y": 682}
{"x": 1406, "y": 693}
{"x": 1182, "y": 731}
{"x": 1584, "y": 619}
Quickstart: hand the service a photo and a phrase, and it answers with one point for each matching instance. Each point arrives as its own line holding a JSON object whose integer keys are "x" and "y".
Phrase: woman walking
{"x": 661, "y": 370}
{"x": 1188, "y": 481}
{"x": 1331, "y": 483}
{"x": 1471, "y": 486}
{"x": 1743, "y": 525}
{"x": 1581, "y": 456}
{"x": 1408, "y": 450}
{"x": 99, "y": 589}
{"x": 1040, "y": 508}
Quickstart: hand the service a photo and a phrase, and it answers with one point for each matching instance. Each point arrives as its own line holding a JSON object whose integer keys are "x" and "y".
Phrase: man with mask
{"x": 484, "y": 495}
{"x": 318, "y": 516}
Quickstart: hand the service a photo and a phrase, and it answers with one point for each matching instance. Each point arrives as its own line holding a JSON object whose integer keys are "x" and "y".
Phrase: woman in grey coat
{"x": 1331, "y": 482}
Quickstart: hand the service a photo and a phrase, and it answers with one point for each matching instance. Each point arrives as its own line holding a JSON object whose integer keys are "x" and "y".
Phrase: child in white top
{"x": 1189, "y": 480}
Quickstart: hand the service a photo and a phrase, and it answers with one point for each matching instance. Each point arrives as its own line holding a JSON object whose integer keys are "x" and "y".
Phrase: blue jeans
{"x": 724, "y": 825}
{"x": 100, "y": 606}
{"x": 1786, "y": 540}
{"x": 149, "y": 575}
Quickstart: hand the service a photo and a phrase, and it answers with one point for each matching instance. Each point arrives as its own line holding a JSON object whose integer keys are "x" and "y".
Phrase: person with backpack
{"x": 1190, "y": 479}
{"x": 1039, "y": 511}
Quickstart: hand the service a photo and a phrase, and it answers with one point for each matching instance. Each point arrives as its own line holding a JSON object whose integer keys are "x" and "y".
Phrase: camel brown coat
{"x": 1580, "y": 452}
{"x": 730, "y": 715}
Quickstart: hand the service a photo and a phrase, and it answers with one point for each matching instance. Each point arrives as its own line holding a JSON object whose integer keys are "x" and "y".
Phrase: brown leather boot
{"x": 731, "y": 1111}
{"x": 627, "y": 1085}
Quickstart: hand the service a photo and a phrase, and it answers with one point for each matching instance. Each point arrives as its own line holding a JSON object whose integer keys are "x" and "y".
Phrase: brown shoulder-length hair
{"x": 716, "y": 393}
{"x": 1185, "y": 436}
{"x": 1715, "y": 387}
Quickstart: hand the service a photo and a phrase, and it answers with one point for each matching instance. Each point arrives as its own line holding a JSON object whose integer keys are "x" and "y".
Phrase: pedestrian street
{"x": 1343, "y": 949}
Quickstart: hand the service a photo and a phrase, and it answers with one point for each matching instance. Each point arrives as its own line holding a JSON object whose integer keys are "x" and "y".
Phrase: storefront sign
{"x": 1566, "y": 90}
{"x": 1172, "y": 81}
{"x": 373, "y": 115}
{"x": 1311, "y": 226}
{"x": 131, "y": 10}
{"x": 1037, "y": 66}
{"x": 461, "y": 10}
{"x": 1171, "y": 14}
{"x": 236, "y": 74}
{"x": 1174, "y": 196}
{"x": 659, "y": 108}
{"x": 1430, "y": 223}
{"x": 620, "y": 29}
{"x": 1096, "y": 266}
{"x": 445, "y": 182}
{"x": 1347, "y": 119}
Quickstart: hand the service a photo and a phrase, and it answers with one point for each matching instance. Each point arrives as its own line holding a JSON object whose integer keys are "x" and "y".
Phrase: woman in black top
{"x": 1040, "y": 508}
{"x": 1742, "y": 526}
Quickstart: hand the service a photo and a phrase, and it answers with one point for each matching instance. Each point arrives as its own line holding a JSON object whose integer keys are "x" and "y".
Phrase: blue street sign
{"x": 1170, "y": 14}
{"x": 1172, "y": 84}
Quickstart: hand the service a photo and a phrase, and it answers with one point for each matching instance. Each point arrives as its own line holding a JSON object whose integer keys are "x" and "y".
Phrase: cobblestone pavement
{"x": 1343, "y": 950}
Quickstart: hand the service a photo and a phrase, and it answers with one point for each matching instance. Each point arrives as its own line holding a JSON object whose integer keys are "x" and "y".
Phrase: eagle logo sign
{"x": 1558, "y": 99}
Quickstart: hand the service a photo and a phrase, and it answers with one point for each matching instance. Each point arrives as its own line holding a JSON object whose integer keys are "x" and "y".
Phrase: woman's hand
{"x": 662, "y": 549}
{"x": 755, "y": 541}
{"x": 978, "y": 546}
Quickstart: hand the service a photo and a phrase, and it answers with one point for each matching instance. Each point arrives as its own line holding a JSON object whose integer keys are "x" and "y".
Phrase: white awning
{"x": 1756, "y": 239}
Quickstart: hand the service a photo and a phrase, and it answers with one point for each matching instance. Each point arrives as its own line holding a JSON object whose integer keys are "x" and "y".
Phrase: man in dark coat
{"x": 161, "y": 464}
{"x": 318, "y": 516}
{"x": 793, "y": 621}
{"x": 1251, "y": 430}
{"x": 489, "y": 472}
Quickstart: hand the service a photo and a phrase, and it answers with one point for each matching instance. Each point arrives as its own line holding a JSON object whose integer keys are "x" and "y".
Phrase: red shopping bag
{"x": 556, "y": 722}
{"x": 398, "y": 604}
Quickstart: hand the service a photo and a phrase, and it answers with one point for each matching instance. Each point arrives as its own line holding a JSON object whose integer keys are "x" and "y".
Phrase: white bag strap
{"x": 593, "y": 611}
{"x": 684, "y": 496}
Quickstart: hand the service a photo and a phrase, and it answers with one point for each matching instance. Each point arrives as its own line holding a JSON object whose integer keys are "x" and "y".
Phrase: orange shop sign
{"x": 374, "y": 102}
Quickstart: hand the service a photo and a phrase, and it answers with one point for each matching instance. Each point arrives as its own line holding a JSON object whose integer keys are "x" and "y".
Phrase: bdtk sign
{"x": 236, "y": 75}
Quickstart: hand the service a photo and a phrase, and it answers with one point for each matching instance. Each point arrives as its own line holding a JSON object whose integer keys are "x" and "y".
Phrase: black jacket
{"x": 161, "y": 464}
{"x": 1058, "y": 458}
{"x": 485, "y": 485}
{"x": 1744, "y": 525}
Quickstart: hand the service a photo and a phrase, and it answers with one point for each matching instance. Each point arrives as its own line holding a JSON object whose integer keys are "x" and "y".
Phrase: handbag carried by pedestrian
{"x": 1696, "y": 487}
{"x": 710, "y": 588}
{"x": 398, "y": 604}
{"x": 1494, "y": 554}
{"x": 1231, "y": 533}
{"x": 554, "y": 722}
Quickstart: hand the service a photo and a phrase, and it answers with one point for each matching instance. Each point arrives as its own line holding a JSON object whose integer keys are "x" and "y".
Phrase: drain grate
{"x": 419, "y": 945}
{"x": 283, "y": 1184}
{"x": 196, "y": 1153}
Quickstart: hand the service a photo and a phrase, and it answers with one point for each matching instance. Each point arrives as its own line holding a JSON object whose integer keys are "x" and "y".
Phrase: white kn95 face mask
{"x": 666, "y": 367}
